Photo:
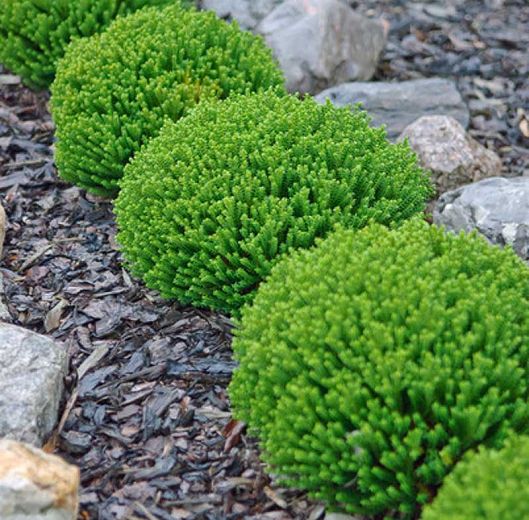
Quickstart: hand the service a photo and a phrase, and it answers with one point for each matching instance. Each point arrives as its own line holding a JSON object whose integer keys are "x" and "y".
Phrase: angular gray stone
{"x": 453, "y": 157}
{"x": 248, "y": 13}
{"x": 396, "y": 105}
{"x": 497, "y": 207}
{"x": 319, "y": 43}
{"x": 35, "y": 485}
{"x": 32, "y": 368}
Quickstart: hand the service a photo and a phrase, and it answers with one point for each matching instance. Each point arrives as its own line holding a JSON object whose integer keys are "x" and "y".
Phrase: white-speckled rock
{"x": 453, "y": 156}
{"x": 320, "y": 43}
{"x": 498, "y": 208}
{"x": 32, "y": 369}
{"x": 35, "y": 485}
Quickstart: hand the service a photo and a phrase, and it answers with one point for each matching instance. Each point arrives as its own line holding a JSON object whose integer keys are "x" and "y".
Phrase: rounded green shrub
{"x": 114, "y": 91}
{"x": 490, "y": 485}
{"x": 370, "y": 364}
{"x": 208, "y": 207}
{"x": 35, "y": 33}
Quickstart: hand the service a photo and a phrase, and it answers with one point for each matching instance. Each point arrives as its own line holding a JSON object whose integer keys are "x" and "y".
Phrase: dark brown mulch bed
{"x": 147, "y": 417}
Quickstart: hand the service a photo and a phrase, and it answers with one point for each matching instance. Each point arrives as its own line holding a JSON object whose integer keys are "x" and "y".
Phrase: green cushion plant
{"x": 490, "y": 485}
{"x": 34, "y": 34}
{"x": 208, "y": 207}
{"x": 114, "y": 90}
{"x": 371, "y": 364}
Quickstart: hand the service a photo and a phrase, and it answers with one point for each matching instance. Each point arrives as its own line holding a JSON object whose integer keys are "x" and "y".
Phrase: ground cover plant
{"x": 34, "y": 34}
{"x": 208, "y": 207}
{"x": 490, "y": 485}
{"x": 114, "y": 91}
{"x": 371, "y": 364}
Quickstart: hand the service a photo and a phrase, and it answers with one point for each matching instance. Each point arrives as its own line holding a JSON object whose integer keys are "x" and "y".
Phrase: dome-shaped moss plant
{"x": 208, "y": 207}
{"x": 370, "y": 364}
{"x": 35, "y": 33}
{"x": 490, "y": 485}
{"x": 114, "y": 91}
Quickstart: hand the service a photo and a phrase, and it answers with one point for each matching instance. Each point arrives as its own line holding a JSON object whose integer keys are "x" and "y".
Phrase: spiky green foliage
{"x": 491, "y": 485}
{"x": 372, "y": 363}
{"x": 115, "y": 90}
{"x": 35, "y": 33}
{"x": 208, "y": 207}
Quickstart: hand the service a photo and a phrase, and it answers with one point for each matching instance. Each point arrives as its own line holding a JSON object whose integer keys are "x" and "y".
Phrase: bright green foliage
{"x": 208, "y": 207}
{"x": 114, "y": 91}
{"x": 492, "y": 485}
{"x": 371, "y": 364}
{"x": 35, "y": 33}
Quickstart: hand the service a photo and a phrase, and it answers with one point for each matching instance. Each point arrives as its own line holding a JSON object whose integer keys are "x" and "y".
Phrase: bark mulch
{"x": 146, "y": 415}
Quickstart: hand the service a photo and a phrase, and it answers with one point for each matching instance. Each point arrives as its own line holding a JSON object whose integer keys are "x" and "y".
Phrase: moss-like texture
{"x": 34, "y": 34}
{"x": 114, "y": 91}
{"x": 490, "y": 485}
{"x": 208, "y": 207}
{"x": 372, "y": 363}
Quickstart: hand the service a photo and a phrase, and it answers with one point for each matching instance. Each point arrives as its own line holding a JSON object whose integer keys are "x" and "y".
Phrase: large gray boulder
{"x": 396, "y": 105}
{"x": 320, "y": 43}
{"x": 248, "y": 13}
{"x": 452, "y": 156}
{"x": 498, "y": 208}
{"x": 32, "y": 369}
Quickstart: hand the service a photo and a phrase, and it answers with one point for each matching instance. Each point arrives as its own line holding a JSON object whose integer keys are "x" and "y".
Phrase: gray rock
{"x": 453, "y": 157}
{"x": 248, "y": 13}
{"x": 497, "y": 207}
{"x": 32, "y": 368}
{"x": 397, "y": 105}
{"x": 35, "y": 485}
{"x": 319, "y": 43}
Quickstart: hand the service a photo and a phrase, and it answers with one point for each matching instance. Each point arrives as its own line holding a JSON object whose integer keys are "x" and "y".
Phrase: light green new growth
{"x": 208, "y": 207}
{"x": 34, "y": 34}
{"x": 114, "y": 91}
{"x": 491, "y": 485}
{"x": 371, "y": 364}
